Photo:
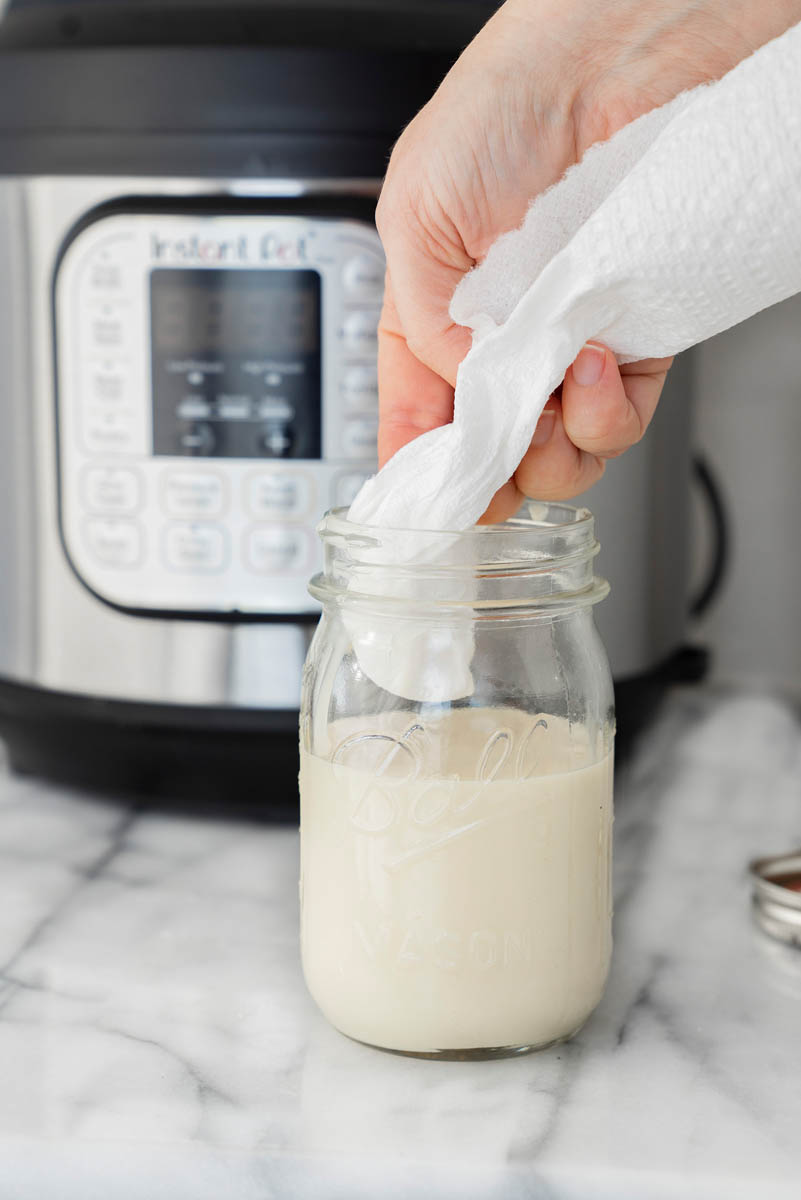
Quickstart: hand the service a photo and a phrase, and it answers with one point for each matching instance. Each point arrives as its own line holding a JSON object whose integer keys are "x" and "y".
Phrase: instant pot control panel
{"x": 216, "y": 393}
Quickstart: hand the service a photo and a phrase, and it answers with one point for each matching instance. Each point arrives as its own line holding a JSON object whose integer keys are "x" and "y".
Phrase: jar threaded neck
{"x": 542, "y": 559}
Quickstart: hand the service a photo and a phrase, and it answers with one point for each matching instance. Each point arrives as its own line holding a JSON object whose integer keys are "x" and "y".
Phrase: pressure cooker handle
{"x": 721, "y": 541}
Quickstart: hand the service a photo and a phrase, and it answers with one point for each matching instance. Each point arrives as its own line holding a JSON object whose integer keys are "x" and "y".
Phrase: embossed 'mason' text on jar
{"x": 457, "y": 733}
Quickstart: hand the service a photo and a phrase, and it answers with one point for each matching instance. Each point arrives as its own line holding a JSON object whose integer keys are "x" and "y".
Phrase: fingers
{"x": 504, "y": 504}
{"x": 411, "y": 397}
{"x": 603, "y": 409}
{"x": 554, "y": 467}
{"x": 420, "y": 347}
{"x": 427, "y": 260}
{"x": 606, "y": 409}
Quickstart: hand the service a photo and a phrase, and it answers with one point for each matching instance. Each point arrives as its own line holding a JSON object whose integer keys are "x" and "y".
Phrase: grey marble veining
{"x": 156, "y": 1039}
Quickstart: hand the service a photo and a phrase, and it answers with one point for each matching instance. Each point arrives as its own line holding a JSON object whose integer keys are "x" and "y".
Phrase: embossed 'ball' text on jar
{"x": 457, "y": 732}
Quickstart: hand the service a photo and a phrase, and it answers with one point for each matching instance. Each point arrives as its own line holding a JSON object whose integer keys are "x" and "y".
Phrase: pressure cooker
{"x": 190, "y": 288}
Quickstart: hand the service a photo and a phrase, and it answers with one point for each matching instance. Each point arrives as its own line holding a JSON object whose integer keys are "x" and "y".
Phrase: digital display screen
{"x": 236, "y": 362}
{"x": 258, "y": 312}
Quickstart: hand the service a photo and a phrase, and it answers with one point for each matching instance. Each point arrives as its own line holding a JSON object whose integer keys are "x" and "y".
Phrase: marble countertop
{"x": 156, "y": 1039}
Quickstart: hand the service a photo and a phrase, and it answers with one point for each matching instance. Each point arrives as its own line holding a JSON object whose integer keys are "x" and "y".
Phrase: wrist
{"x": 612, "y": 63}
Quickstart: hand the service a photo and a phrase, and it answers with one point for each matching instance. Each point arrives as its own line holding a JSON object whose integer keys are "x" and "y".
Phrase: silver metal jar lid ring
{"x": 776, "y": 895}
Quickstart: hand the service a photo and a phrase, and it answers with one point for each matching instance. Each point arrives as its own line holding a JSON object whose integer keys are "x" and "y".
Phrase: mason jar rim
{"x": 576, "y": 517}
{"x": 528, "y": 561}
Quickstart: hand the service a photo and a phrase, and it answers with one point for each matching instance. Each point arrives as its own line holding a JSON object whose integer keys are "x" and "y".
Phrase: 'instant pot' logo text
{"x": 262, "y": 248}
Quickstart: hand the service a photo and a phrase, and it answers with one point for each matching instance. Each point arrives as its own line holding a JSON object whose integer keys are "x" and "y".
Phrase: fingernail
{"x": 542, "y": 433}
{"x": 589, "y": 366}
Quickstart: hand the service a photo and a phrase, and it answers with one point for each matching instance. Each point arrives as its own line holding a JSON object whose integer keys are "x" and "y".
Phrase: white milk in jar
{"x": 456, "y": 737}
{"x": 468, "y": 910}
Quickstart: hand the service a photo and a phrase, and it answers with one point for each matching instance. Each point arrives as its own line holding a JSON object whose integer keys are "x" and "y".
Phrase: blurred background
{"x": 747, "y": 423}
{"x": 191, "y": 281}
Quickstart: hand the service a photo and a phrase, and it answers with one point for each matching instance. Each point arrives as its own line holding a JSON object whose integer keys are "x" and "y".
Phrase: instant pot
{"x": 191, "y": 281}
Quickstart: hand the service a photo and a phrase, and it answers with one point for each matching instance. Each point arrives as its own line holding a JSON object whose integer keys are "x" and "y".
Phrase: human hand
{"x": 543, "y": 81}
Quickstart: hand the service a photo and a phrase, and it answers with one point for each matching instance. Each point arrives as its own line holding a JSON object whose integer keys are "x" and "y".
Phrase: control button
{"x": 360, "y": 331}
{"x": 347, "y": 487}
{"x": 277, "y": 442}
{"x": 199, "y": 440}
{"x": 274, "y": 548}
{"x": 193, "y": 494}
{"x": 108, "y": 383}
{"x": 108, "y": 431}
{"x": 111, "y": 489}
{"x": 360, "y": 439}
{"x": 275, "y": 408}
{"x": 360, "y": 387}
{"x": 107, "y": 330}
{"x": 274, "y": 373}
{"x": 279, "y": 494}
{"x": 364, "y": 276}
{"x": 233, "y": 408}
{"x": 194, "y": 547}
{"x": 194, "y": 408}
{"x": 105, "y": 275}
{"x": 114, "y": 543}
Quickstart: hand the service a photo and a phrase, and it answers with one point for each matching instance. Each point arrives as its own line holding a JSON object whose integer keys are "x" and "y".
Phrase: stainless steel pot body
{"x": 172, "y": 578}
{"x": 161, "y": 623}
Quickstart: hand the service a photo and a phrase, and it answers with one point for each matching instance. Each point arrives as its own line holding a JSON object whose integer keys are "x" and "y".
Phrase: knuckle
{"x": 385, "y": 210}
{"x": 562, "y": 483}
{"x": 586, "y": 426}
{"x": 609, "y": 437}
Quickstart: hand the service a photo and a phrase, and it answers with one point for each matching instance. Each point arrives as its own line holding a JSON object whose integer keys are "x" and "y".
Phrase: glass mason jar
{"x": 456, "y": 742}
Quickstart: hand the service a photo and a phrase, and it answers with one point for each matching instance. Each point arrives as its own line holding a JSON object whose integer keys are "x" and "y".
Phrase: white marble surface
{"x": 156, "y": 1039}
